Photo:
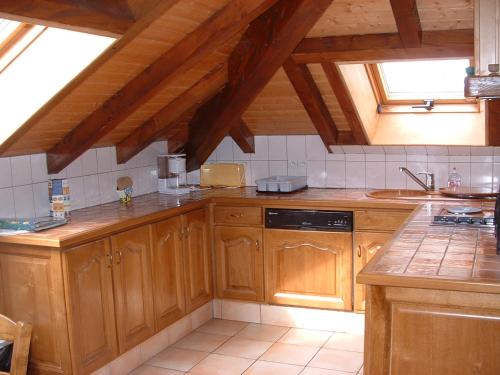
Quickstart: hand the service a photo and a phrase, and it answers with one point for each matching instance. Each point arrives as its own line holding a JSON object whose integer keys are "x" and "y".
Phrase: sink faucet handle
{"x": 429, "y": 179}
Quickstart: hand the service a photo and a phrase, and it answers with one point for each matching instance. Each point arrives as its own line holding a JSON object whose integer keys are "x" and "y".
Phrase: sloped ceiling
{"x": 150, "y": 34}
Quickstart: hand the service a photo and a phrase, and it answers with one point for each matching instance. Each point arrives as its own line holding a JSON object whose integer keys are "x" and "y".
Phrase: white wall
{"x": 359, "y": 166}
{"x": 92, "y": 179}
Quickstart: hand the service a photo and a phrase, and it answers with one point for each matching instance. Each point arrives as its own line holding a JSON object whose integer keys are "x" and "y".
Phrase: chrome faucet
{"x": 429, "y": 179}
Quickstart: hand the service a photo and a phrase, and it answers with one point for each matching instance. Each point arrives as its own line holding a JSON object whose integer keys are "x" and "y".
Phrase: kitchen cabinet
{"x": 310, "y": 269}
{"x": 89, "y": 293}
{"x": 132, "y": 286}
{"x": 197, "y": 259}
{"x": 366, "y": 245}
{"x": 240, "y": 262}
{"x": 168, "y": 272}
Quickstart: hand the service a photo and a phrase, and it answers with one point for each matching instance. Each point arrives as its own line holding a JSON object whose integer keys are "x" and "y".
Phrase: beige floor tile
{"x": 151, "y": 370}
{"x": 322, "y": 371}
{"x": 346, "y": 341}
{"x": 216, "y": 364}
{"x": 291, "y": 354}
{"x": 338, "y": 360}
{"x": 262, "y": 332}
{"x": 222, "y": 327}
{"x": 271, "y": 368}
{"x": 177, "y": 359}
{"x": 203, "y": 342}
{"x": 306, "y": 337}
{"x": 245, "y": 348}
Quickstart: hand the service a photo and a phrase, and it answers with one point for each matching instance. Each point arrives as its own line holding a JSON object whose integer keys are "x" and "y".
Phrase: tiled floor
{"x": 224, "y": 347}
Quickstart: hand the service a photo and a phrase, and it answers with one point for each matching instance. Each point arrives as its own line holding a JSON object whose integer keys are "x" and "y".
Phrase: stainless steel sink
{"x": 406, "y": 194}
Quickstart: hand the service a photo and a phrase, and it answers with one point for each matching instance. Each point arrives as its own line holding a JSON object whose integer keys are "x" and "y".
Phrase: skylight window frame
{"x": 405, "y": 105}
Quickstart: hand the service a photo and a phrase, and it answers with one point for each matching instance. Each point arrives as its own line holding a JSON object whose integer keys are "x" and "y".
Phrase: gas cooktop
{"x": 482, "y": 219}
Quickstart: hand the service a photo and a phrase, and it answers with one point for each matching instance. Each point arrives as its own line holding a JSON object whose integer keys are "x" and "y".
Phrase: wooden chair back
{"x": 20, "y": 334}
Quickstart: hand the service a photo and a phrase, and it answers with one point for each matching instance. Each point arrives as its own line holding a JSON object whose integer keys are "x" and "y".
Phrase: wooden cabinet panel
{"x": 238, "y": 215}
{"x": 366, "y": 245}
{"x": 197, "y": 259}
{"x": 133, "y": 287}
{"x": 168, "y": 272}
{"x": 379, "y": 220}
{"x": 312, "y": 269}
{"x": 240, "y": 263}
{"x": 438, "y": 340}
{"x": 89, "y": 293}
{"x": 31, "y": 290}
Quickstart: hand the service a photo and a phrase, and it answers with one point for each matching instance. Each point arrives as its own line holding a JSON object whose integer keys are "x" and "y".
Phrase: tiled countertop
{"x": 419, "y": 255}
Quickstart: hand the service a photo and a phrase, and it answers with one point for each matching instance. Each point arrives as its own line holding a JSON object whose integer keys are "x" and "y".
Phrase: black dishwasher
{"x": 314, "y": 220}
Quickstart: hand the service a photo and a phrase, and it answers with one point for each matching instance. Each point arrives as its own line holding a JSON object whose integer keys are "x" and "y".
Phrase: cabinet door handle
{"x": 359, "y": 251}
{"x": 119, "y": 257}
{"x": 110, "y": 257}
{"x": 236, "y": 216}
{"x": 257, "y": 245}
{"x": 374, "y": 249}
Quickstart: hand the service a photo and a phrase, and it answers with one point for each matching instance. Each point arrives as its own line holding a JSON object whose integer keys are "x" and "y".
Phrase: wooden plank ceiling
{"x": 173, "y": 57}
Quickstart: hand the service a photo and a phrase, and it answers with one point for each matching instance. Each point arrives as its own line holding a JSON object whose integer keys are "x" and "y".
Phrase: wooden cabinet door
{"x": 133, "y": 287}
{"x": 197, "y": 259}
{"x": 168, "y": 272}
{"x": 366, "y": 245}
{"x": 311, "y": 269}
{"x": 240, "y": 263}
{"x": 32, "y": 290}
{"x": 89, "y": 294}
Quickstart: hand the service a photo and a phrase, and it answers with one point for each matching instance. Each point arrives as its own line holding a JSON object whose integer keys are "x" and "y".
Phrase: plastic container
{"x": 454, "y": 179}
{"x": 281, "y": 184}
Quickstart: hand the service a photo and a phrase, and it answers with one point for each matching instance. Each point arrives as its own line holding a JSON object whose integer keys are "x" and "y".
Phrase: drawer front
{"x": 238, "y": 215}
{"x": 379, "y": 220}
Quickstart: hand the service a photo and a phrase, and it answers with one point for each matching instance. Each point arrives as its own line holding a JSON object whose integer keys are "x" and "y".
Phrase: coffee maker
{"x": 172, "y": 174}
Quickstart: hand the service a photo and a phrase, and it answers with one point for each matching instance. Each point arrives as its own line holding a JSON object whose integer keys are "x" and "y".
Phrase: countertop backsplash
{"x": 359, "y": 166}
{"x": 92, "y": 179}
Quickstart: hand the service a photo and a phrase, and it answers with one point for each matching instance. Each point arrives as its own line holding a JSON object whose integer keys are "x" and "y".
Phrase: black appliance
{"x": 314, "y": 220}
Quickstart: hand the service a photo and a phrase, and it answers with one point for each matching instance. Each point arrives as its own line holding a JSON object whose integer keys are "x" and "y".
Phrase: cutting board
{"x": 467, "y": 192}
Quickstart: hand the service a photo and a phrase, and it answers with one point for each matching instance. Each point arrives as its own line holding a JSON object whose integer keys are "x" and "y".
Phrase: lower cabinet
{"x": 89, "y": 295}
{"x": 366, "y": 245}
{"x": 133, "y": 287}
{"x": 168, "y": 272}
{"x": 311, "y": 269}
{"x": 197, "y": 258}
{"x": 240, "y": 262}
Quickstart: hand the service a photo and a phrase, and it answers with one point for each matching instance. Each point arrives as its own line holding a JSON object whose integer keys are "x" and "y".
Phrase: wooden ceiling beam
{"x": 372, "y": 48}
{"x": 262, "y": 50}
{"x": 313, "y": 102}
{"x": 408, "y": 22}
{"x": 345, "y": 101}
{"x": 159, "y": 123}
{"x": 243, "y": 137}
{"x": 109, "y": 18}
{"x": 214, "y": 32}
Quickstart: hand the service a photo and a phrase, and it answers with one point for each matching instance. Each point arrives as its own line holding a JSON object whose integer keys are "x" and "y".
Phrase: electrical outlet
{"x": 297, "y": 168}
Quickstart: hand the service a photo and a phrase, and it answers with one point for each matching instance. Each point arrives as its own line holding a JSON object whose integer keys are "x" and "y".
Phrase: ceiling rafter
{"x": 243, "y": 137}
{"x": 263, "y": 48}
{"x": 87, "y": 73}
{"x": 408, "y": 22}
{"x": 165, "y": 118}
{"x": 344, "y": 99}
{"x": 384, "y": 47}
{"x": 109, "y": 18}
{"x": 313, "y": 102}
{"x": 215, "y": 31}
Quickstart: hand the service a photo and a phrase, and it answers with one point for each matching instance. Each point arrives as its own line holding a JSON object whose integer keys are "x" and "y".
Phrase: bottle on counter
{"x": 454, "y": 179}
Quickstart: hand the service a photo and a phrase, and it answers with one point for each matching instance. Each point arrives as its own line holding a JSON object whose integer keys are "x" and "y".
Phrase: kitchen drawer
{"x": 238, "y": 215}
{"x": 379, "y": 220}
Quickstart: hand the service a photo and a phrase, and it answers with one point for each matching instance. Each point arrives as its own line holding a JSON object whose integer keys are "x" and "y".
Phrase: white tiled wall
{"x": 92, "y": 179}
{"x": 359, "y": 166}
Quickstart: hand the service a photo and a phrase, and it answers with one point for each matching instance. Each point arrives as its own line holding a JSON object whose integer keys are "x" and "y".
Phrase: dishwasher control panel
{"x": 332, "y": 221}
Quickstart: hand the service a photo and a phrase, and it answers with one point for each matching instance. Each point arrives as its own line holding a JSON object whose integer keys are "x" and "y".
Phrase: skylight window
{"x": 415, "y": 81}
{"x": 39, "y": 64}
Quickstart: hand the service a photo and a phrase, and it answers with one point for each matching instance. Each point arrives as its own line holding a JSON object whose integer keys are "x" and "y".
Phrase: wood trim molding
{"x": 243, "y": 137}
{"x": 372, "y": 48}
{"x": 215, "y": 31}
{"x": 313, "y": 102}
{"x": 262, "y": 50}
